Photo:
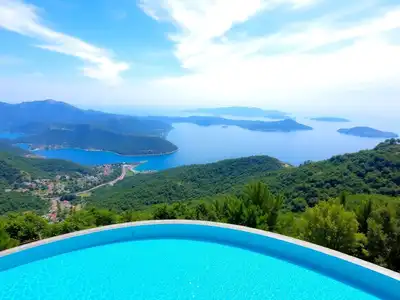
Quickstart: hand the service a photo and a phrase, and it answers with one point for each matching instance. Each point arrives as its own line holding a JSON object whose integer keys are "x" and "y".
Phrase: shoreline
{"x": 100, "y": 150}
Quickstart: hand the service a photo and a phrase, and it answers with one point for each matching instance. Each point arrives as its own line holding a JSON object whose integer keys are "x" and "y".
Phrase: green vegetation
{"x": 348, "y": 203}
{"x": 336, "y": 223}
{"x": 182, "y": 184}
{"x": 6, "y": 146}
{"x": 15, "y": 168}
{"x": 88, "y": 137}
{"x": 19, "y": 202}
{"x": 368, "y": 132}
{"x": 366, "y": 172}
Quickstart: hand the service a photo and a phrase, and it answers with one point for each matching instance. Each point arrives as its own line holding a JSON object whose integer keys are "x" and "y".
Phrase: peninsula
{"x": 87, "y": 137}
{"x": 367, "y": 132}
{"x": 287, "y": 125}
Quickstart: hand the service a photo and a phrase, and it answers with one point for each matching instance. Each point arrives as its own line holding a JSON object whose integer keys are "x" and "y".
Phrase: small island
{"x": 367, "y": 132}
{"x": 330, "y": 119}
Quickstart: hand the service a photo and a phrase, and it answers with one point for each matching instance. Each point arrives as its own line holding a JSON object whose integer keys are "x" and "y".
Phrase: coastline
{"x": 100, "y": 150}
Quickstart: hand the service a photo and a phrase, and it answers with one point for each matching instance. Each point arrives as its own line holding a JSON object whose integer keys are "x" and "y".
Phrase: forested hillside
{"x": 88, "y": 137}
{"x": 15, "y": 169}
{"x": 13, "y": 166}
{"x": 7, "y": 146}
{"x": 183, "y": 183}
{"x": 374, "y": 171}
{"x": 33, "y": 117}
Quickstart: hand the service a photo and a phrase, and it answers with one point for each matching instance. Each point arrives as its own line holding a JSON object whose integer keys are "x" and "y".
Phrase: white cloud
{"x": 285, "y": 64}
{"x": 23, "y": 18}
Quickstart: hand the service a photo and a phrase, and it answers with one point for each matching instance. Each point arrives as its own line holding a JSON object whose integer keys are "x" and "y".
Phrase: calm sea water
{"x": 199, "y": 145}
{"x": 169, "y": 269}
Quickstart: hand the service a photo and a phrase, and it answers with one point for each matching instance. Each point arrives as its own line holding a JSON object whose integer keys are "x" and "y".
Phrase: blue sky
{"x": 267, "y": 53}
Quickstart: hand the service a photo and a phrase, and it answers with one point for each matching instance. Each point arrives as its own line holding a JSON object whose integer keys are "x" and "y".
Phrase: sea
{"x": 201, "y": 145}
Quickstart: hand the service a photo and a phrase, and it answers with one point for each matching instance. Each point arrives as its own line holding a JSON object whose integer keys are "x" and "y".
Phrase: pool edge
{"x": 327, "y": 251}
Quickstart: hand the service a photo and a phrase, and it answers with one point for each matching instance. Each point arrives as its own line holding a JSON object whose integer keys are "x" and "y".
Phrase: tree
{"x": 25, "y": 228}
{"x": 343, "y": 199}
{"x": 5, "y": 240}
{"x": 363, "y": 214}
{"x": 330, "y": 225}
{"x": 259, "y": 195}
{"x": 384, "y": 237}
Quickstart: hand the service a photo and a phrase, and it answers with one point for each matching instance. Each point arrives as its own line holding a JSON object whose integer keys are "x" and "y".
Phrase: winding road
{"x": 112, "y": 182}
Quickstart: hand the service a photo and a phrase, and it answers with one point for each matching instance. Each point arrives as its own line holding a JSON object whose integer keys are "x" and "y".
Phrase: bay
{"x": 199, "y": 145}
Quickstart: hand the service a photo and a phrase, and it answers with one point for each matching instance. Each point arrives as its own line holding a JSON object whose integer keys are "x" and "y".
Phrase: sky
{"x": 278, "y": 54}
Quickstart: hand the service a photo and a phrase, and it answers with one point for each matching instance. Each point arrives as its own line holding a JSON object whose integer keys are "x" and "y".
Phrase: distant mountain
{"x": 89, "y": 137}
{"x": 242, "y": 111}
{"x": 367, "y": 132}
{"x": 275, "y": 126}
{"x": 33, "y": 117}
{"x": 330, "y": 119}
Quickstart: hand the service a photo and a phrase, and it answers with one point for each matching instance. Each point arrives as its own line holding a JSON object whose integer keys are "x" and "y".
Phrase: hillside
{"x": 88, "y": 137}
{"x": 287, "y": 125}
{"x": 16, "y": 169}
{"x": 374, "y": 171}
{"x": 14, "y": 166}
{"x": 6, "y": 146}
{"x": 25, "y": 117}
{"x": 183, "y": 183}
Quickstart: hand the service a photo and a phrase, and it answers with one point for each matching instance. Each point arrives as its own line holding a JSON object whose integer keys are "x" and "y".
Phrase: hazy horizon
{"x": 292, "y": 55}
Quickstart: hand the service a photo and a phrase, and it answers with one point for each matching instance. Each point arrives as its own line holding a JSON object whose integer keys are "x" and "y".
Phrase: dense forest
{"x": 374, "y": 171}
{"x": 183, "y": 183}
{"x": 88, "y": 137}
{"x": 13, "y": 167}
{"x": 365, "y": 226}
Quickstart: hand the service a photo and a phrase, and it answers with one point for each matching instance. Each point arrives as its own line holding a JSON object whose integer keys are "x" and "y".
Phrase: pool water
{"x": 169, "y": 269}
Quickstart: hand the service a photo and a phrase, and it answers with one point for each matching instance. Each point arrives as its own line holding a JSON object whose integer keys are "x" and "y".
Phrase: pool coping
{"x": 327, "y": 251}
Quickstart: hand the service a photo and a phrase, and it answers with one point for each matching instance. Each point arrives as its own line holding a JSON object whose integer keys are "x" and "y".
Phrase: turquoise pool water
{"x": 169, "y": 269}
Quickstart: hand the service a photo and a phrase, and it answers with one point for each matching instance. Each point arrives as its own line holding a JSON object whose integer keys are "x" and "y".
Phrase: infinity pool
{"x": 168, "y": 268}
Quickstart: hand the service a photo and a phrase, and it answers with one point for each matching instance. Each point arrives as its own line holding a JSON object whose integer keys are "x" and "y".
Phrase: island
{"x": 286, "y": 125}
{"x": 367, "y": 132}
{"x": 91, "y": 138}
{"x": 242, "y": 111}
{"x": 36, "y": 116}
{"x": 330, "y": 119}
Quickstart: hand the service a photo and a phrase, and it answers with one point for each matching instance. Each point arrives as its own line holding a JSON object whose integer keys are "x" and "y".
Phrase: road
{"x": 112, "y": 182}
